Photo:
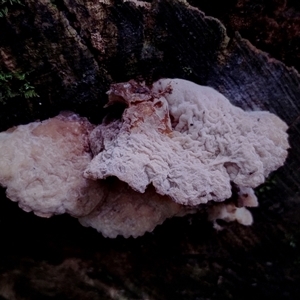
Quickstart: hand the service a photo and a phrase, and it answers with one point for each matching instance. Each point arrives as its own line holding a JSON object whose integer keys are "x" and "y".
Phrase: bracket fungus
{"x": 129, "y": 213}
{"x": 187, "y": 140}
{"x": 41, "y": 166}
{"x": 176, "y": 147}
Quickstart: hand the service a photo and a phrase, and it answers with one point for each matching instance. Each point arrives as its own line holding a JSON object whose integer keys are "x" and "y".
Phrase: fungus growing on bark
{"x": 194, "y": 159}
{"x": 129, "y": 213}
{"x": 41, "y": 166}
{"x": 229, "y": 213}
{"x": 177, "y": 146}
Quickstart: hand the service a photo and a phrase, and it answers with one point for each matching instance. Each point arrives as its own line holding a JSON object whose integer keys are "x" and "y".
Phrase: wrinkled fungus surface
{"x": 42, "y": 163}
{"x": 188, "y": 141}
{"x": 176, "y": 147}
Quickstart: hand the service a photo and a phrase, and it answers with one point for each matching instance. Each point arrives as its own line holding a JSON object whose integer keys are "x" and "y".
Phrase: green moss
{"x": 15, "y": 85}
{"x": 270, "y": 183}
{"x": 5, "y": 5}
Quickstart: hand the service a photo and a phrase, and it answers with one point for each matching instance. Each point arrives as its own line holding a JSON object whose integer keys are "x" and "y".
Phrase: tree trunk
{"x": 70, "y": 52}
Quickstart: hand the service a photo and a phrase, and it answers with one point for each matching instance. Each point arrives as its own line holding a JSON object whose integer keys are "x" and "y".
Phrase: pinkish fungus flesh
{"x": 41, "y": 166}
{"x": 177, "y": 147}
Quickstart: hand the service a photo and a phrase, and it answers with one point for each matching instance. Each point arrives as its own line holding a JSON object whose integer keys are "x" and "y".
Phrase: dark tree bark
{"x": 73, "y": 50}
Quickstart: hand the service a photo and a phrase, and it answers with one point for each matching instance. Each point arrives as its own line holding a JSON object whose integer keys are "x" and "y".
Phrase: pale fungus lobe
{"x": 188, "y": 141}
{"x": 129, "y": 213}
{"x": 42, "y": 163}
{"x": 229, "y": 213}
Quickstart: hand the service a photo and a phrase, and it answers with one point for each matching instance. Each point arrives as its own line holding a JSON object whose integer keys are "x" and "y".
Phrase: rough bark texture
{"x": 270, "y": 25}
{"x": 73, "y": 50}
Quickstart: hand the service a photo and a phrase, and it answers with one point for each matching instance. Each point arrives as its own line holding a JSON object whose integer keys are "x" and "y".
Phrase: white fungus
{"x": 188, "y": 141}
{"x": 177, "y": 146}
{"x": 228, "y": 212}
{"x": 42, "y": 163}
{"x": 42, "y": 166}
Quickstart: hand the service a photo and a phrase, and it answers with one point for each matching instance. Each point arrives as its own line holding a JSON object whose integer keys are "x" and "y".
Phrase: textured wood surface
{"x": 73, "y": 50}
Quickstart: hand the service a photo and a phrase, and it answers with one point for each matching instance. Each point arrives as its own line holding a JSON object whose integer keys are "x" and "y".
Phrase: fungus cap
{"x": 193, "y": 159}
{"x": 42, "y": 164}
